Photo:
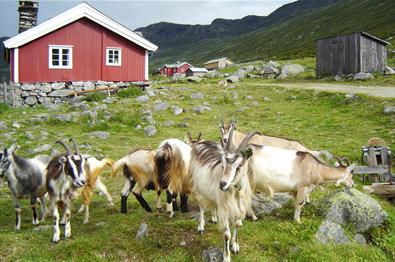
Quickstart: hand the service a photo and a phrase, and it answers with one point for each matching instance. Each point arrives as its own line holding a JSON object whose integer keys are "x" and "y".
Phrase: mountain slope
{"x": 293, "y": 37}
{"x": 4, "y": 66}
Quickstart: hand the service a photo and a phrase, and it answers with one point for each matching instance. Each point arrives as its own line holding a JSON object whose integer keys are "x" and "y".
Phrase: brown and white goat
{"x": 220, "y": 182}
{"x": 296, "y": 172}
{"x": 172, "y": 172}
{"x": 65, "y": 174}
{"x": 139, "y": 171}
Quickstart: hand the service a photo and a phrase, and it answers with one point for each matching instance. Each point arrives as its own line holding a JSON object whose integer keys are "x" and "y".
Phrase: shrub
{"x": 130, "y": 92}
{"x": 4, "y": 108}
{"x": 95, "y": 97}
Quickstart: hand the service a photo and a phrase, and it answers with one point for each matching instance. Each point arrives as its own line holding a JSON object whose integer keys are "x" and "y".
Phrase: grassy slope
{"x": 326, "y": 121}
{"x": 295, "y": 37}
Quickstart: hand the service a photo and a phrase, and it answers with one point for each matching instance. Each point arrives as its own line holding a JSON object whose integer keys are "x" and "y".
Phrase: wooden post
{"x": 12, "y": 96}
{"x": 5, "y": 93}
{"x": 372, "y": 161}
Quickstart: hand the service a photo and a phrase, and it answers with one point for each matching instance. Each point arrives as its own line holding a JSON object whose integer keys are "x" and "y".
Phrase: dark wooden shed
{"x": 350, "y": 54}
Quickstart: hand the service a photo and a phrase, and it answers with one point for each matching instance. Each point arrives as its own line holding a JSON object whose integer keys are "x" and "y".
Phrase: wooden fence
{"x": 6, "y": 94}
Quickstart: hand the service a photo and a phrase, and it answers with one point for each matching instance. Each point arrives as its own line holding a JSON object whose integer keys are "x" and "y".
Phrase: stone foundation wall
{"x": 31, "y": 94}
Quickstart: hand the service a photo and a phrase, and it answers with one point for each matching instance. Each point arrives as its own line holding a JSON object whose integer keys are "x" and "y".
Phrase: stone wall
{"x": 31, "y": 94}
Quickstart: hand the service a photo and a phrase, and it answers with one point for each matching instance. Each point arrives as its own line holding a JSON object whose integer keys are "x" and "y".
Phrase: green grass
{"x": 130, "y": 92}
{"x": 320, "y": 120}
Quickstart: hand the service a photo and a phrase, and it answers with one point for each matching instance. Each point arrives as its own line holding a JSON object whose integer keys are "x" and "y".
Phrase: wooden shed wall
{"x": 338, "y": 55}
{"x": 374, "y": 55}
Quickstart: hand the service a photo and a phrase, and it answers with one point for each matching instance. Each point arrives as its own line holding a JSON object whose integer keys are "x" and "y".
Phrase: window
{"x": 113, "y": 56}
{"x": 60, "y": 57}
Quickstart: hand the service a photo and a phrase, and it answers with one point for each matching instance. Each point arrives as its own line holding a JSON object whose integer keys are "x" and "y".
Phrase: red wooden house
{"x": 170, "y": 69}
{"x": 81, "y": 44}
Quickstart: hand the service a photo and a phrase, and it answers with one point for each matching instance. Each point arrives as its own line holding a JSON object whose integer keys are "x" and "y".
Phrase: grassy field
{"x": 320, "y": 120}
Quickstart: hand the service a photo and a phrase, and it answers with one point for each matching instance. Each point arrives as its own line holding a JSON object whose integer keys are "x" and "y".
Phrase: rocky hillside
{"x": 4, "y": 66}
{"x": 289, "y": 32}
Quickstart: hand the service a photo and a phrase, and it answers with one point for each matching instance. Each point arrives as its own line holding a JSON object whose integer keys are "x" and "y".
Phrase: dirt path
{"x": 375, "y": 91}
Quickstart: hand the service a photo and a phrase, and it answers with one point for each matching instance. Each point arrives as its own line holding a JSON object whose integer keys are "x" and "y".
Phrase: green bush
{"x": 130, "y": 92}
{"x": 95, "y": 97}
{"x": 4, "y": 108}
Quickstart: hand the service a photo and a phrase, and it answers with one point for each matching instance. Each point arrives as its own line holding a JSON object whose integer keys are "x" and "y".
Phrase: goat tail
{"x": 116, "y": 166}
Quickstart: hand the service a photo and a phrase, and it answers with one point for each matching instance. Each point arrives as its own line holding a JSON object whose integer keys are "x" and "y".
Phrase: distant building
{"x": 80, "y": 44}
{"x": 171, "y": 69}
{"x": 350, "y": 54}
{"x": 196, "y": 71}
{"x": 218, "y": 63}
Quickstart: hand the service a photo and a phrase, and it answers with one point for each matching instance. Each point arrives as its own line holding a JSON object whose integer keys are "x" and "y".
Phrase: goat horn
{"x": 222, "y": 121}
{"x": 230, "y": 138}
{"x": 68, "y": 151}
{"x": 77, "y": 151}
{"x": 246, "y": 140}
{"x": 189, "y": 137}
{"x": 339, "y": 160}
{"x": 347, "y": 160}
{"x": 199, "y": 136}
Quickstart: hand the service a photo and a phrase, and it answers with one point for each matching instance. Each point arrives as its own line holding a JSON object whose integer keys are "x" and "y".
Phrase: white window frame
{"x": 60, "y": 48}
{"x": 108, "y": 49}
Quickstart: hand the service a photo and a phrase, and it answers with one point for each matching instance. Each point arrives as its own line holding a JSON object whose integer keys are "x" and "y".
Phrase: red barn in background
{"x": 81, "y": 44}
{"x": 170, "y": 69}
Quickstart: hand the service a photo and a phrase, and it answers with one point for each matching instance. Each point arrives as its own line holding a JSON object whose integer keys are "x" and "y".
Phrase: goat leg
{"x": 17, "y": 211}
{"x": 158, "y": 201}
{"x": 175, "y": 205}
{"x": 55, "y": 216}
{"x": 33, "y": 205}
{"x": 169, "y": 203}
{"x": 235, "y": 241}
{"x": 142, "y": 201}
{"x": 214, "y": 218}
{"x": 227, "y": 237}
{"x": 43, "y": 209}
{"x": 127, "y": 188}
{"x": 102, "y": 188}
{"x": 184, "y": 203}
{"x": 201, "y": 220}
{"x": 67, "y": 225}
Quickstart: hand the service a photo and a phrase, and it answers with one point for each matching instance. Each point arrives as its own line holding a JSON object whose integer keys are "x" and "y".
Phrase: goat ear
{"x": 247, "y": 153}
{"x": 12, "y": 148}
{"x": 62, "y": 160}
{"x": 349, "y": 169}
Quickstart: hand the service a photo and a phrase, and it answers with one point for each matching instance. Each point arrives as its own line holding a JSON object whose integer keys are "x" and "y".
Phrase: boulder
{"x": 100, "y": 134}
{"x": 265, "y": 205}
{"x": 248, "y": 69}
{"x": 331, "y": 233}
{"x": 363, "y": 76}
{"x": 213, "y": 255}
{"x": 360, "y": 239}
{"x": 59, "y": 93}
{"x": 270, "y": 70}
{"x": 388, "y": 110}
{"x": 178, "y": 76}
{"x": 197, "y": 95}
{"x": 201, "y": 109}
{"x": 160, "y": 106}
{"x": 232, "y": 79}
{"x": 292, "y": 69}
{"x": 360, "y": 210}
{"x": 213, "y": 74}
{"x": 16, "y": 124}
{"x": 195, "y": 79}
{"x": 27, "y": 87}
{"x": 81, "y": 106}
{"x": 338, "y": 78}
{"x": 150, "y": 130}
{"x": 142, "y": 99}
{"x": 176, "y": 110}
{"x": 58, "y": 86}
{"x": 31, "y": 100}
{"x": 142, "y": 232}
{"x": 64, "y": 117}
{"x": 46, "y": 88}
{"x": 88, "y": 86}
{"x": 3, "y": 125}
{"x": 273, "y": 64}
{"x": 240, "y": 73}
{"x": 389, "y": 71}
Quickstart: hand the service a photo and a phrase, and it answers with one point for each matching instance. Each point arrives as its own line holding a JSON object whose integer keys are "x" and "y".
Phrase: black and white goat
{"x": 26, "y": 178}
{"x": 220, "y": 182}
{"x": 172, "y": 172}
{"x": 65, "y": 173}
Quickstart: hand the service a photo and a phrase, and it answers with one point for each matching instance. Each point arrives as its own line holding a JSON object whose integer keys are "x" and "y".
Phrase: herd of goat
{"x": 221, "y": 177}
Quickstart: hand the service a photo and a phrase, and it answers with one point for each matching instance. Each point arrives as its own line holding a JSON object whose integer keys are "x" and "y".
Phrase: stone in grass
{"x": 64, "y": 117}
{"x": 142, "y": 232}
{"x": 213, "y": 255}
{"x": 142, "y": 99}
{"x": 3, "y": 125}
{"x": 150, "y": 130}
{"x": 360, "y": 239}
{"x": 176, "y": 110}
{"x": 168, "y": 123}
{"x": 41, "y": 149}
{"x": 331, "y": 233}
{"x": 388, "y": 110}
{"x": 100, "y": 134}
{"x": 160, "y": 106}
{"x": 197, "y": 96}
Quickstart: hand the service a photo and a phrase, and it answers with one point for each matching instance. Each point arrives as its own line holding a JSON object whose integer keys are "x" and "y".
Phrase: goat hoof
{"x": 110, "y": 204}
{"x": 201, "y": 232}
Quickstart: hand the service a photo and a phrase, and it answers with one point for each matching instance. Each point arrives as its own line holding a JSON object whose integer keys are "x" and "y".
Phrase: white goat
{"x": 293, "y": 171}
{"x": 172, "y": 166}
{"x": 220, "y": 182}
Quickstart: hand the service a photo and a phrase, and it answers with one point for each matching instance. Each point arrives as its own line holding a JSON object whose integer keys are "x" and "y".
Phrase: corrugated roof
{"x": 198, "y": 70}
{"x": 177, "y": 65}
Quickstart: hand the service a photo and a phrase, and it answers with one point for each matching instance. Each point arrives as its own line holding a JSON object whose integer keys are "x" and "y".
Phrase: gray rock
{"x": 389, "y": 110}
{"x": 64, "y": 117}
{"x": 360, "y": 210}
{"x": 273, "y": 64}
{"x": 292, "y": 69}
{"x": 29, "y": 135}
{"x": 58, "y": 86}
{"x": 183, "y": 125}
{"x": 150, "y": 93}
{"x": 282, "y": 76}
{"x": 31, "y": 100}
{"x": 363, "y": 76}
{"x": 178, "y": 76}
{"x": 232, "y": 79}
{"x": 240, "y": 73}
{"x": 168, "y": 123}
{"x": 100, "y": 134}
{"x": 149, "y": 119}
{"x": 360, "y": 239}
{"x": 41, "y": 149}
{"x": 338, "y": 78}
{"x": 265, "y": 205}
{"x": 234, "y": 95}
{"x": 52, "y": 106}
{"x": 79, "y": 83}
{"x": 195, "y": 79}
{"x": 252, "y": 76}
{"x": 270, "y": 76}
{"x": 138, "y": 127}
{"x": 389, "y": 71}
{"x": 160, "y": 106}
{"x": 16, "y": 125}
{"x": 44, "y": 117}
{"x": 197, "y": 95}
{"x": 3, "y": 125}
{"x": 248, "y": 69}
{"x": 91, "y": 114}
{"x": 46, "y": 88}
{"x": 226, "y": 75}
{"x": 142, "y": 99}
{"x": 213, "y": 255}
{"x": 150, "y": 130}
{"x": 59, "y": 93}
{"x": 331, "y": 233}
{"x": 142, "y": 232}
{"x": 27, "y": 87}
{"x": 176, "y": 110}
{"x": 109, "y": 100}
{"x": 89, "y": 86}
{"x": 81, "y": 106}
{"x": 201, "y": 109}
{"x": 291, "y": 98}
{"x": 270, "y": 70}
{"x": 213, "y": 74}
{"x": 351, "y": 96}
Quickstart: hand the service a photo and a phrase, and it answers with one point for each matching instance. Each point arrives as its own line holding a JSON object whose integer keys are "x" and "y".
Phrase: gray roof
{"x": 216, "y": 60}
{"x": 198, "y": 70}
{"x": 176, "y": 64}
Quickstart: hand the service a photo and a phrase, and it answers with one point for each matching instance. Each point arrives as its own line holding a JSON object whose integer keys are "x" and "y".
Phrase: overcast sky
{"x": 134, "y": 14}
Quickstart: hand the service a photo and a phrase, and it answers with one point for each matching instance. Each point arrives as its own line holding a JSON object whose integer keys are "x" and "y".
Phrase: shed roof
{"x": 71, "y": 15}
{"x": 216, "y": 60}
{"x": 362, "y": 33}
{"x": 198, "y": 70}
{"x": 176, "y": 65}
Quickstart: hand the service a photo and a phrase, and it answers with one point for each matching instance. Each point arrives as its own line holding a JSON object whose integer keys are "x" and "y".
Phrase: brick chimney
{"x": 28, "y": 10}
